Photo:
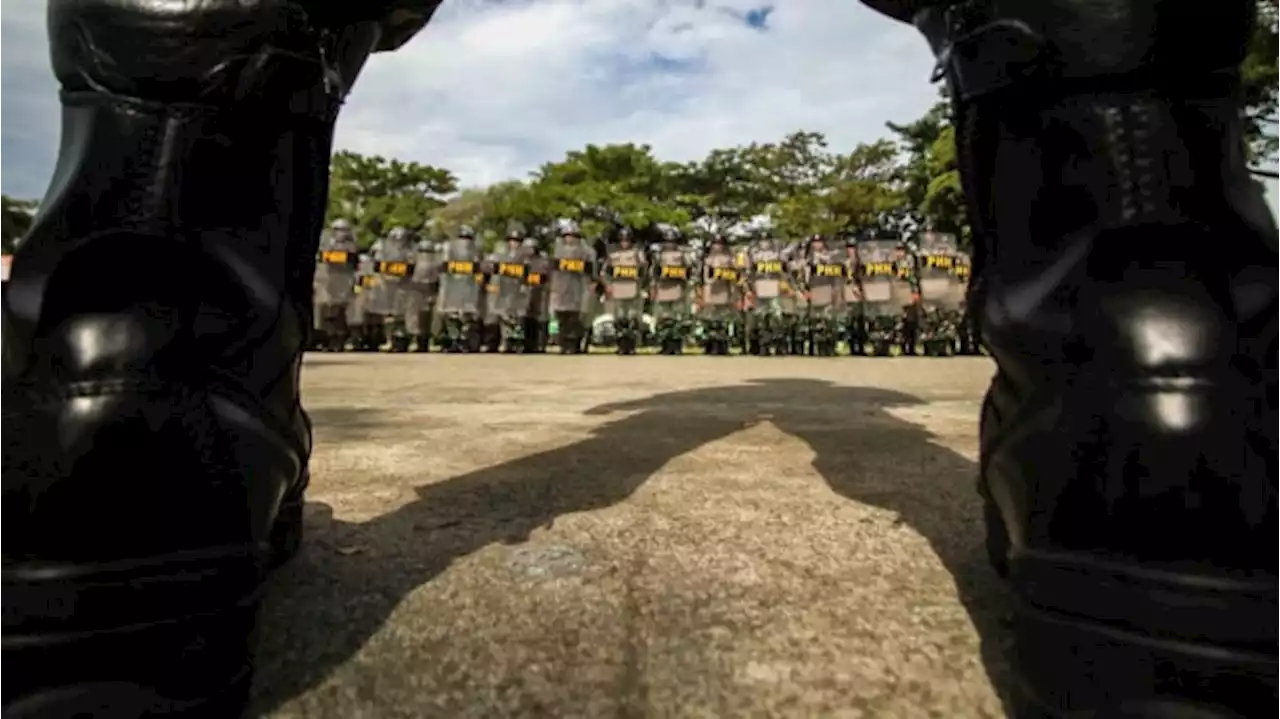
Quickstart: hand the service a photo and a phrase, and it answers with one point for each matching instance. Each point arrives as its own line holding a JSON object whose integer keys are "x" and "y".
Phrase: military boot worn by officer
{"x": 1124, "y": 280}
{"x": 154, "y": 448}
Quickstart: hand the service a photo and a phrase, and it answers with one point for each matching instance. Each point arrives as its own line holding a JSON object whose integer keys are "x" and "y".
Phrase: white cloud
{"x": 491, "y": 89}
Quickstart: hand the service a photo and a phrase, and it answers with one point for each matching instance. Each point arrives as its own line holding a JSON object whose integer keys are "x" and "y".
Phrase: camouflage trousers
{"x": 418, "y": 307}
{"x": 330, "y": 325}
{"x": 823, "y": 327}
{"x": 718, "y": 321}
{"x": 571, "y": 331}
{"x": 458, "y": 330}
{"x": 766, "y": 326}
{"x": 671, "y": 321}
{"x": 627, "y": 316}
{"x": 940, "y": 324}
{"x": 512, "y": 333}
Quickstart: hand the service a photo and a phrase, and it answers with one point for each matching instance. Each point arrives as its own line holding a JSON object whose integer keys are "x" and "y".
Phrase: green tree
{"x": 1259, "y": 79}
{"x": 376, "y": 193}
{"x": 622, "y": 181}
{"x": 17, "y": 216}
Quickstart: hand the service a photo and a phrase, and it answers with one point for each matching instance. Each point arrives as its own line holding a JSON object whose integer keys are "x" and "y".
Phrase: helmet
{"x": 670, "y": 234}
{"x": 625, "y": 235}
{"x": 426, "y": 246}
{"x": 515, "y": 231}
{"x": 466, "y": 232}
{"x": 399, "y": 234}
{"x": 566, "y": 226}
{"x": 340, "y": 224}
{"x": 529, "y": 243}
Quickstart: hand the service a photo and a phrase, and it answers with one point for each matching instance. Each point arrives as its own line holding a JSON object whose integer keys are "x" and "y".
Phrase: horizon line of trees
{"x": 801, "y": 184}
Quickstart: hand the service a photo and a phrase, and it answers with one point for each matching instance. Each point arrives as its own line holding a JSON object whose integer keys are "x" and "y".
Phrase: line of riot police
{"x": 874, "y": 295}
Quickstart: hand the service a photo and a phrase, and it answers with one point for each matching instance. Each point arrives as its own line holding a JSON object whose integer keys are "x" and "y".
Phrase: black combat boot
{"x": 1125, "y": 282}
{"x": 154, "y": 451}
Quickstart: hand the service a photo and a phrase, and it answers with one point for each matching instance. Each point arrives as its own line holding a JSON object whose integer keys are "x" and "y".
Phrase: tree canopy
{"x": 800, "y": 182}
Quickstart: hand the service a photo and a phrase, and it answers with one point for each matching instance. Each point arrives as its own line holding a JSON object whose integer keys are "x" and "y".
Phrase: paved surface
{"x": 596, "y": 536}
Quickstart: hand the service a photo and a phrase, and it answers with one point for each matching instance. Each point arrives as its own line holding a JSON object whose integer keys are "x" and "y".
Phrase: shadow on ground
{"x": 327, "y": 605}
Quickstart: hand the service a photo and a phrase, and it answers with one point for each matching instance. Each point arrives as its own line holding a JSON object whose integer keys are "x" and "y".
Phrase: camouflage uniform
{"x": 669, "y": 288}
{"x": 767, "y": 276}
{"x": 424, "y": 286}
{"x": 720, "y": 287}
{"x": 941, "y": 293}
{"x": 334, "y": 285}
{"x": 459, "y": 300}
{"x": 572, "y": 282}
{"x": 825, "y": 276}
{"x": 624, "y": 274}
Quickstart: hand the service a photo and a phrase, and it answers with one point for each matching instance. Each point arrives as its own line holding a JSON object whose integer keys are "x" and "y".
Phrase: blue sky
{"x": 491, "y": 89}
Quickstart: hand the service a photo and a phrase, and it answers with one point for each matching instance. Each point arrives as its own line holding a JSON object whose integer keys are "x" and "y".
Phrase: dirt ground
{"x": 596, "y": 536}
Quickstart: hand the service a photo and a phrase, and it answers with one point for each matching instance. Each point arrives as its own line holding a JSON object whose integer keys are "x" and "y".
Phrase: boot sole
{"x": 170, "y": 635}
{"x": 1100, "y": 639}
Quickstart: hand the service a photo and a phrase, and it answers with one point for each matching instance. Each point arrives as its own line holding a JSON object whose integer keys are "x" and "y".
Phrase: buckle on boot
{"x": 978, "y": 54}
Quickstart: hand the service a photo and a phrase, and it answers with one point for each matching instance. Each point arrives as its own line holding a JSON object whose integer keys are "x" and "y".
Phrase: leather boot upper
{"x": 158, "y": 309}
{"x": 1125, "y": 276}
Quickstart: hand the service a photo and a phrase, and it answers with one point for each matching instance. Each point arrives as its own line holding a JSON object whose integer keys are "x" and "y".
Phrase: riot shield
{"x": 720, "y": 280}
{"x": 671, "y": 280}
{"x": 768, "y": 273}
{"x": 336, "y": 270}
{"x": 884, "y": 290}
{"x": 511, "y": 292}
{"x": 940, "y": 285}
{"x": 459, "y": 291}
{"x": 571, "y": 278}
{"x": 624, "y": 275}
{"x": 828, "y": 273}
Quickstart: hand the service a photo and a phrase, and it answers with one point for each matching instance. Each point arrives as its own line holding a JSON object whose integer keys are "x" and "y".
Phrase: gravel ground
{"x": 597, "y": 536}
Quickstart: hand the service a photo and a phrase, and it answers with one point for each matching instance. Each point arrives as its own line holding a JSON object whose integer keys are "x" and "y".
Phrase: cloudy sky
{"x": 493, "y": 88}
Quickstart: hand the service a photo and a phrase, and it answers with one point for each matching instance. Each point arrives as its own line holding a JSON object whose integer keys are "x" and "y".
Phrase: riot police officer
{"x": 394, "y": 256}
{"x": 538, "y": 282}
{"x": 334, "y": 285}
{"x": 825, "y": 276}
{"x": 572, "y": 279}
{"x": 719, "y": 290}
{"x": 766, "y": 278}
{"x": 669, "y": 291}
{"x": 459, "y": 300}
{"x": 424, "y": 287}
{"x": 509, "y": 301}
{"x": 624, "y": 278}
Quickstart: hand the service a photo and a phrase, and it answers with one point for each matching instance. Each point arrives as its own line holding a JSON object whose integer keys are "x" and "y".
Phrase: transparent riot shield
{"x": 459, "y": 291}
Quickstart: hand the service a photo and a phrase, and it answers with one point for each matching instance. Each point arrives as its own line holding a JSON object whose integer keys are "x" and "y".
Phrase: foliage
{"x": 17, "y": 216}
{"x": 376, "y": 194}
{"x": 801, "y": 184}
{"x": 1259, "y": 79}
